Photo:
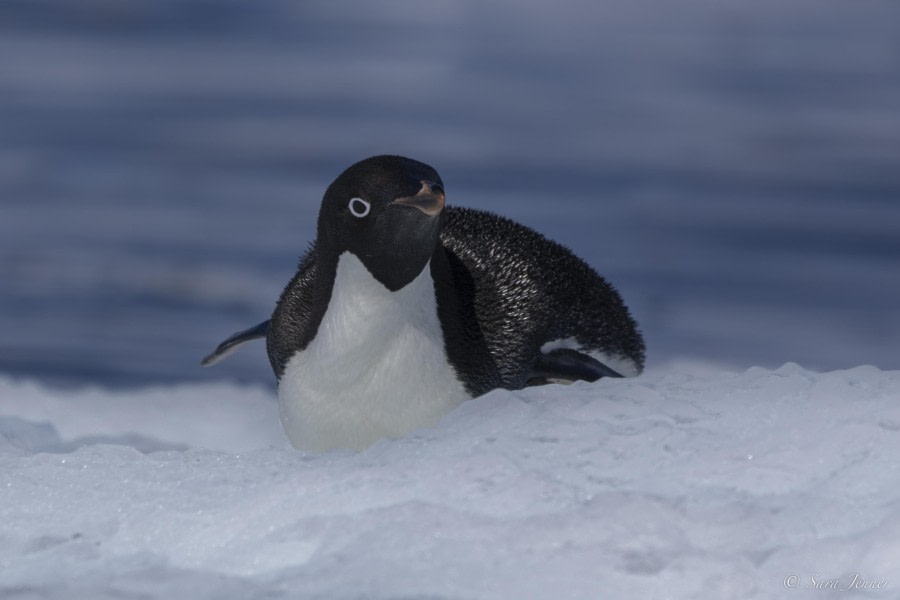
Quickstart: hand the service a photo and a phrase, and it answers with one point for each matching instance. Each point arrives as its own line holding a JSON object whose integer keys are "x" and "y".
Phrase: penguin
{"x": 404, "y": 308}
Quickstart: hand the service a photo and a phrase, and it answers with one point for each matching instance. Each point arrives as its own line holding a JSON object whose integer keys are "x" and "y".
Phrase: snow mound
{"x": 687, "y": 482}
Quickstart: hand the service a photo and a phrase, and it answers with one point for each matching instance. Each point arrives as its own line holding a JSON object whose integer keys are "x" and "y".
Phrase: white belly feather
{"x": 375, "y": 369}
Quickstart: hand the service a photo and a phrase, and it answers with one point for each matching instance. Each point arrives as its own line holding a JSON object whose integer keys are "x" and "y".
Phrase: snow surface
{"x": 687, "y": 482}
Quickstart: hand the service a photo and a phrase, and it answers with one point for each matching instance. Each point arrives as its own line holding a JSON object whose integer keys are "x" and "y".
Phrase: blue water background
{"x": 732, "y": 167}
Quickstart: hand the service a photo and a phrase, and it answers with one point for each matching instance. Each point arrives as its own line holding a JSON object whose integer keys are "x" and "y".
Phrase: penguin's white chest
{"x": 376, "y": 367}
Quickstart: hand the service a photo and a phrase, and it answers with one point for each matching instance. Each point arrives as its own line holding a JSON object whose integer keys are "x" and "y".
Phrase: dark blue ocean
{"x": 733, "y": 168}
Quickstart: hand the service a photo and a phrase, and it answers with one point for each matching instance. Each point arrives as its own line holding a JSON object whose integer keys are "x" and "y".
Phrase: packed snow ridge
{"x": 687, "y": 482}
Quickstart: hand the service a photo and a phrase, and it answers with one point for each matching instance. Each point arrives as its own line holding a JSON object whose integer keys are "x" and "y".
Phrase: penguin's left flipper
{"x": 569, "y": 365}
{"x": 235, "y": 341}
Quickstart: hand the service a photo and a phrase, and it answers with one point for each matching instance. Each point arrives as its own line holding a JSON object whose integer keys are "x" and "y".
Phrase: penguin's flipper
{"x": 569, "y": 365}
{"x": 232, "y": 343}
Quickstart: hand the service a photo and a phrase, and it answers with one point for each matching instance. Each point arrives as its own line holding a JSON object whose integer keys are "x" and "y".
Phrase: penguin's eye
{"x": 359, "y": 207}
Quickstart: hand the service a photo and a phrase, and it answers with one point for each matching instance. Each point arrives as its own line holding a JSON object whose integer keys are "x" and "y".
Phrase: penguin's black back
{"x": 502, "y": 289}
{"x": 521, "y": 291}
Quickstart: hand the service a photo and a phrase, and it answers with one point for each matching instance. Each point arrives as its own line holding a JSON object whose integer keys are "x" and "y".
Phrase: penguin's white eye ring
{"x": 359, "y": 207}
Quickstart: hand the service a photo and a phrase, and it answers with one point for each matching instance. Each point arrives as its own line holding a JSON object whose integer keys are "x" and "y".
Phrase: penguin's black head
{"x": 387, "y": 211}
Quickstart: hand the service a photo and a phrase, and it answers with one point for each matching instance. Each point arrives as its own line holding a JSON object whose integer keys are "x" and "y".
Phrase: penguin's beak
{"x": 429, "y": 199}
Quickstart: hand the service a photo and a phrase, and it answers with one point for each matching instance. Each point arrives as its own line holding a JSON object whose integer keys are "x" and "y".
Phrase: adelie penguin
{"x": 403, "y": 308}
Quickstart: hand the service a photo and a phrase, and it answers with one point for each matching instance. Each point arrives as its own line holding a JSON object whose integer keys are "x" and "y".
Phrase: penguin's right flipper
{"x": 570, "y": 365}
{"x": 232, "y": 343}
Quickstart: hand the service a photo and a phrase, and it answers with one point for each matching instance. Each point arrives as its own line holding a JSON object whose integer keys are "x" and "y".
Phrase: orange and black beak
{"x": 429, "y": 199}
